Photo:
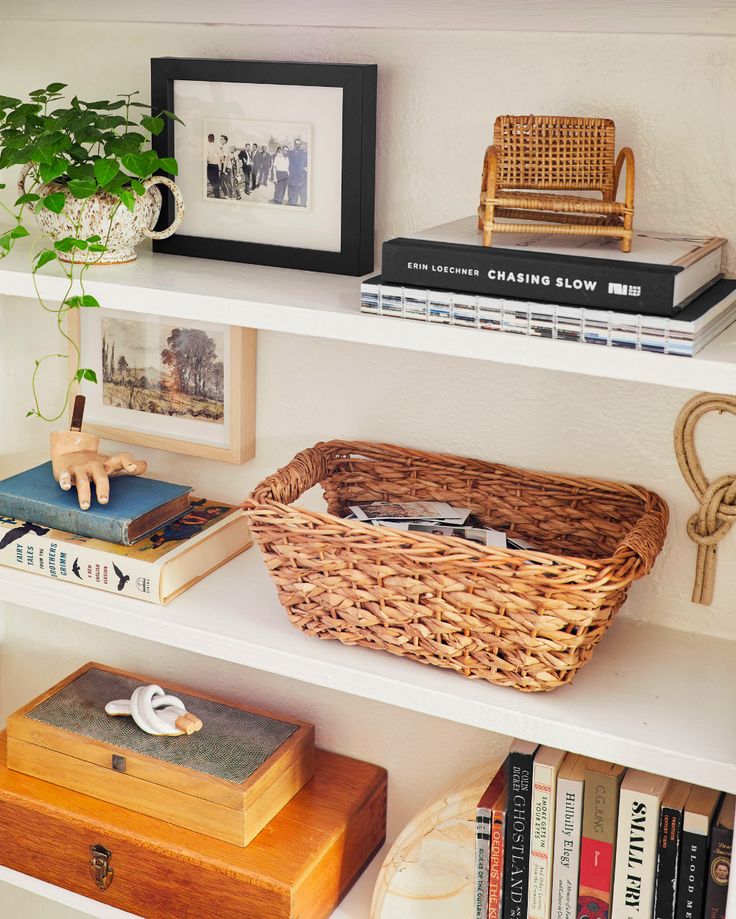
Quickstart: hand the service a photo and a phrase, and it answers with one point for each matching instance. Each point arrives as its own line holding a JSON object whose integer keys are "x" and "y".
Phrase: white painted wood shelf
{"x": 328, "y": 306}
{"x": 652, "y": 698}
{"x": 697, "y": 17}
{"x": 356, "y": 904}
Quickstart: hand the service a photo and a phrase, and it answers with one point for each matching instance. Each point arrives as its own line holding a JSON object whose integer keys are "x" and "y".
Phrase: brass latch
{"x": 99, "y": 866}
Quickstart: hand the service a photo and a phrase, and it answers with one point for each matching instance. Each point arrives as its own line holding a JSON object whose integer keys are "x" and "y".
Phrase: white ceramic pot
{"x": 84, "y": 217}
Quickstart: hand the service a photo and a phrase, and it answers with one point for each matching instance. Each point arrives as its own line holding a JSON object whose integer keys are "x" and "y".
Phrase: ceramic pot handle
{"x": 22, "y": 178}
{"x": 178, "y": 202}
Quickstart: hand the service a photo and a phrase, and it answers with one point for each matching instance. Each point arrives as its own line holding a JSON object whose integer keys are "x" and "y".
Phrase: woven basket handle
{"x": 307, "y": 469}
{"x": 643, "y": 542}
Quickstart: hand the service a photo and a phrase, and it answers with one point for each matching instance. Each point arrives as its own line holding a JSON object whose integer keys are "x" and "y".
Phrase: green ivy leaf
{"x": 85, "y": 374}
{"x": 19, "y": 232}
{"x": 69, "y": 243}
{"x": 55, "y": 87}
{"x": 89, "y": 301}
{"x": 82, "y": 188}
{"x": 30, "y": 413}
{"x": 169, "y": 164}
{"x": 153, "y": 123}
{"x": 128, "y": 198}
{"x": 55, "y": 202}
{"x": 172, "y": 116}
{"x": 96, "y": 247}
{"x": 138, "y": 187}
{"x": 106, "y": 170}
{"x": 52, "y": 170}
{"x": 48, "y": 255}
{"x": 140, "y": 164}
{"x": 28, "y": 198}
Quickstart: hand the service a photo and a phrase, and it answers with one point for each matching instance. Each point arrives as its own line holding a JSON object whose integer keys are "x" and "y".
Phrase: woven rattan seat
{"x": 534, "y": 157}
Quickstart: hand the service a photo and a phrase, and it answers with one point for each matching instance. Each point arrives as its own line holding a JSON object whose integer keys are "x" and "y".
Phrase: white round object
{"x": 430, "y": 871}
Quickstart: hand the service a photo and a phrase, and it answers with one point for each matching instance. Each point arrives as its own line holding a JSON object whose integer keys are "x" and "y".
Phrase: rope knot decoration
{"x": 717, "y": 512}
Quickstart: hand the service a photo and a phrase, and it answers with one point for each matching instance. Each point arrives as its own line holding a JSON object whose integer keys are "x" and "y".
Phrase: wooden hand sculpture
{"x": 76, "y": 460}
{"x": 156, "y": 713}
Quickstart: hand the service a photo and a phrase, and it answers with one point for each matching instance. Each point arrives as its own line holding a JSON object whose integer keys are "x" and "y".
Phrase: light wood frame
{"x": 242, "y": 387}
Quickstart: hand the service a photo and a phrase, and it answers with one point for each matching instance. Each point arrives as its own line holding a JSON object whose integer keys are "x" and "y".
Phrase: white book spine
{"x": 483, "y": 819}
{"x": 79, "y": 564}
{"x": 542, "y": 841}
{"x": 566, "y": 860}
{"x": 636, "y": 855}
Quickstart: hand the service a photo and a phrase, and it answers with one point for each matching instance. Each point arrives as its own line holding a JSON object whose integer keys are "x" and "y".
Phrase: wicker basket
{"x": 524, "y": 619}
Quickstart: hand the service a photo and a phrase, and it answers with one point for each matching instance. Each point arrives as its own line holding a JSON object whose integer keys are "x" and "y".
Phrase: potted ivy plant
{"x": 89, "y": 179}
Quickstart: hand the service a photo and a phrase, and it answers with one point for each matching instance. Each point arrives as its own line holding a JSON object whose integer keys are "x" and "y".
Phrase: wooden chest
{"x": 227, "y": 781}
{"x": 299, "y": 866}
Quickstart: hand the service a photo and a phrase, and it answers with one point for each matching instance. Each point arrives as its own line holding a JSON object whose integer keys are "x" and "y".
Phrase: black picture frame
{"x": 359, "y": 83}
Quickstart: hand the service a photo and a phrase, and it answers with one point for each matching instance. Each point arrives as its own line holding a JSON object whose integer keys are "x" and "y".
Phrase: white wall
{"x": 672, "y": 99}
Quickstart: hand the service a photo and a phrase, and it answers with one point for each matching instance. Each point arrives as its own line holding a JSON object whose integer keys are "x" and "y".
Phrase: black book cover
{"x": 596, "y": 283}
{"x": 519, "y": 764}
{"x": 691, "y": 883}
{"x": 668, "y": 856}
{"x": 719, "y": 861}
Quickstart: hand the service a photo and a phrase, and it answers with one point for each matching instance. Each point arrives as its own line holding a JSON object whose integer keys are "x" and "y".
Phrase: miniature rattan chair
{"x": 533, "y": 155}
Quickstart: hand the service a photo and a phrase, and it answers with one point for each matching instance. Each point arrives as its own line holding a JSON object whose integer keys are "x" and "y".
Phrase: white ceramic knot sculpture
{"x": 156, "y": 713}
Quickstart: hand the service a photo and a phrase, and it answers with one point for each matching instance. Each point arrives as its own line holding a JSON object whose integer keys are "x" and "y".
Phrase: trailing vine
{"x": 86, "y": 148}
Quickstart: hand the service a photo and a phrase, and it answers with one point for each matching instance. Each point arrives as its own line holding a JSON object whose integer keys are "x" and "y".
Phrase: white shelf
{"x": 653, "y": 698}
{"x": 709, "y": 17}
{"x": 328, "y": 306}
{"x": 355, "y": 906}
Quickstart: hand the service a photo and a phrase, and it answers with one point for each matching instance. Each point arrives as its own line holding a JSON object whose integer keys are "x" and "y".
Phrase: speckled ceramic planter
{"x": 93, "y": 216}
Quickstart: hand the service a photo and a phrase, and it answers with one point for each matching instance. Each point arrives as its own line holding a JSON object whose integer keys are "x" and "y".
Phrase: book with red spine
{"x": 483, "y": 826}
{"x": 498, "y": 835}
{"x": 598, "y": 843}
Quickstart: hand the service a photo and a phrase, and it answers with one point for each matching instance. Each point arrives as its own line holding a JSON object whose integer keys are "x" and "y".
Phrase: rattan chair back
{"x": 555, "y": 152}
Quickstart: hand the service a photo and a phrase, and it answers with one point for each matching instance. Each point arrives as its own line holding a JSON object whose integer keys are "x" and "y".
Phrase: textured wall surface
{"x": 671, "y": 97}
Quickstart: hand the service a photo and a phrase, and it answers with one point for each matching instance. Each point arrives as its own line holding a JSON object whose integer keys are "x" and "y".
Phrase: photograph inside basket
{"x": 524, "y": 611}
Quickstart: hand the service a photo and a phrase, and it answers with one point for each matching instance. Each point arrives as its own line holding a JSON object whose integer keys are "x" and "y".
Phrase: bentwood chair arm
{"x": 488, "y": 182}
{"x": 625, "y": 155}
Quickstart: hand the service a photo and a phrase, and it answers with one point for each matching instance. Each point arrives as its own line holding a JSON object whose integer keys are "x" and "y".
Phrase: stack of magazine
{"x": 434, "y": 518}
{"x": 667, "y": 296}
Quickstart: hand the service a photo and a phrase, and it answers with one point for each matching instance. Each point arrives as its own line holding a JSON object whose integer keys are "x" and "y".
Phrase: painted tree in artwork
{"x": 122, "y": 367}
{"x": 194, "y": 368}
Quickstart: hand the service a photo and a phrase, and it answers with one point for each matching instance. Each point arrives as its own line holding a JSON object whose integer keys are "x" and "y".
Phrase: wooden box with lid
{"x": 300, "y": 865}
{"x": 227, "y": 781}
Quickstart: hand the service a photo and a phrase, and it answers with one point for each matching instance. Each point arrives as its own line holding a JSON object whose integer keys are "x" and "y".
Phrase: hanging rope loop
{"x": 717, "y": 499}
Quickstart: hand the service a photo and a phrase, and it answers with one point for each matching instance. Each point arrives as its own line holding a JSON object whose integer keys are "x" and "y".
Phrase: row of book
{"x": 562, "y": 836}
{"x": 668, "y": 296}
{"x": 152, "y": 541}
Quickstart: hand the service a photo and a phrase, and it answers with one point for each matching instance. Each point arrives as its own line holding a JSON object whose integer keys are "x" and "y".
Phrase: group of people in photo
{"x": 235, "y": 172}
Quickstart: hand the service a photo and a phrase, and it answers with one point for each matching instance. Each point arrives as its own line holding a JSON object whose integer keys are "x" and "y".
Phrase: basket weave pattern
{"x": 534, "y": 155}
{"x": 524, "y": 619}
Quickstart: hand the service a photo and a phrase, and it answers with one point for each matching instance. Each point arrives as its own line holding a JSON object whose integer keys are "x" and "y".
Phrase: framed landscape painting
{"x": 179, "y": 385}
{"x": 276, "y": 161}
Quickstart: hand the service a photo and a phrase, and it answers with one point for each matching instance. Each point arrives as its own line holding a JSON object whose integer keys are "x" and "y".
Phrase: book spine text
{"x": 80, "y": 564}
{"x": 566, "y": 862}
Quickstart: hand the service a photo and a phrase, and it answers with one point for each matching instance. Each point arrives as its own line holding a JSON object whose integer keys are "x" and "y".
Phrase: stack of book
{"x": 562, "y": 836}
{"x": 667, "y": 296}
{"x": 152, "y": 541}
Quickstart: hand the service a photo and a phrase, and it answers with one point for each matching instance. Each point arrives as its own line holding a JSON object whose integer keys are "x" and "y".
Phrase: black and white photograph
{"x": 276, "y": 161}
{"x": 257, "y": 163}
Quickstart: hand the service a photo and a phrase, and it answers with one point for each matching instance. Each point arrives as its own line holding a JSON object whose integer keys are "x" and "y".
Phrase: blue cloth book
{"x": 137, "y": 505}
